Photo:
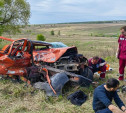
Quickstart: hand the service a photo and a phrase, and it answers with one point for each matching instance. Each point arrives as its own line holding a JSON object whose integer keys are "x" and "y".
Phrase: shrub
{"x": 28, "y": 31}
{"x": 59, "y": 32}
{"x": 41, "y": 37}
{"x": 52, "y": 32}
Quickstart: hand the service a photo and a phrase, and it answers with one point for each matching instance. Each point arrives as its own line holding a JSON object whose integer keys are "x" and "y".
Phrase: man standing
{"x": 103, "y": 95}
{"x": 121, "y": 52}
{"x": 97, "y": 64}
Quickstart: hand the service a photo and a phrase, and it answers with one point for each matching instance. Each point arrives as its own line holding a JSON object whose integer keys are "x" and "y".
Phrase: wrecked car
{"x": 44, "y": 65}
{"x": 59, "y": 56}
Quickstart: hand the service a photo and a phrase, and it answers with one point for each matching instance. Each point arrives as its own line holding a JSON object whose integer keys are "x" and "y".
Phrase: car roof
{"x": 41, "y": 43}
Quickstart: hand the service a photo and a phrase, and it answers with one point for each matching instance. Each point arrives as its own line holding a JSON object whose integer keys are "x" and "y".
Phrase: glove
{"x": 97, "y": 66}
{"x": 102, "y": 64}
{"x": 117, "y": 55}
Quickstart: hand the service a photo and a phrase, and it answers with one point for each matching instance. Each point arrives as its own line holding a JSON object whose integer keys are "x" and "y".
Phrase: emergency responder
{"x": 97, "y": 64}
{"x": 121, "y": 52}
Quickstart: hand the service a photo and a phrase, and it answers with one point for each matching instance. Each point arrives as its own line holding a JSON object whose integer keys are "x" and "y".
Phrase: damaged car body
{"x": 44, "y": 65}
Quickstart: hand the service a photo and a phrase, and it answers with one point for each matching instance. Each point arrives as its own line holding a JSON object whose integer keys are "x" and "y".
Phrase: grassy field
{"x": 91, "y": 39}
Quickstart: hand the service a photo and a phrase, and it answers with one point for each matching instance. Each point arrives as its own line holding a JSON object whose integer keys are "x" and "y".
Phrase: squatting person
{"x": 97, "y": 64}
{"x": 103, "y": 96}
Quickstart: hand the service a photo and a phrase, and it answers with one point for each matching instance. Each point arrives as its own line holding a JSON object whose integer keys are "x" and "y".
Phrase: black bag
{"x": 123, "y": 89}
{"x": 77, "y": 98}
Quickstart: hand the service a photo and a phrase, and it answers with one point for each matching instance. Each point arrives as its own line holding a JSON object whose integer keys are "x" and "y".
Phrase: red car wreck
{"x": 45, "y": 65}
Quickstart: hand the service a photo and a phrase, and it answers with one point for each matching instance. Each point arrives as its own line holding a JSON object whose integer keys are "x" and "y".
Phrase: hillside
{"x": 91, "y": 39}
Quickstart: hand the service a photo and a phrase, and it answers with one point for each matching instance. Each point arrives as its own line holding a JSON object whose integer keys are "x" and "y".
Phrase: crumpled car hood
{"x": 50, "y": 55}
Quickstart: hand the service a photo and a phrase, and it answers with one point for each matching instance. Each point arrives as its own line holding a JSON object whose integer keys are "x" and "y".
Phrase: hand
{"x": 97, "y": 66}
{"x": 125, "y": 111}
{"x": 116, "y": 54}
{"x": 123, "y": 108}
{"x": 114, "y": 109}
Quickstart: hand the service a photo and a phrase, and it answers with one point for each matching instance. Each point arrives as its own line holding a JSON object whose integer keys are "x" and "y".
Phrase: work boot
{"x": 121, "y": 78}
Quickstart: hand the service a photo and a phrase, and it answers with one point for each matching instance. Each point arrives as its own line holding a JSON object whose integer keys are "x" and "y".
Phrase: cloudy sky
{"x": 60, "y": 11}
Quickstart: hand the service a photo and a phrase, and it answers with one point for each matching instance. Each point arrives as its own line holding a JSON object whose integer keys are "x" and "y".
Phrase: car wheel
{"x": 88, "y": 74}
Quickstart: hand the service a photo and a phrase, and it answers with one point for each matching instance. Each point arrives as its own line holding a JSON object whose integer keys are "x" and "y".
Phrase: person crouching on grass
{"x": 103, "y": 96}
{"x": 97, "y": 64}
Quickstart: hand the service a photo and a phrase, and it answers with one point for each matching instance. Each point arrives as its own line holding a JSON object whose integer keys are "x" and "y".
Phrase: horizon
{"x": 67, "y": 11}
{"x": 86, "y": 22}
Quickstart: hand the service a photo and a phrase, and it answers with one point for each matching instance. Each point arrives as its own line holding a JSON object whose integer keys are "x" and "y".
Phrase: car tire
{"x": 87, "y": 73}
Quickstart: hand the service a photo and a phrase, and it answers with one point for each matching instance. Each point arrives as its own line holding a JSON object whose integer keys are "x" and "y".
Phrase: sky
{"x": 63, "y": 11}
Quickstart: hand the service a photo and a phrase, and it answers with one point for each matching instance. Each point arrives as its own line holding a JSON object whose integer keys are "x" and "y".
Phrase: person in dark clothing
{"x": 97, "y": 64}
{"x": 103, "y": 96}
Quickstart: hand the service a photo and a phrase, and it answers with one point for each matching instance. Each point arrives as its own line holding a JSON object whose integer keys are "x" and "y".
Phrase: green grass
{"x": 2, "y": 43}
{"x": 17, "y": 98}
